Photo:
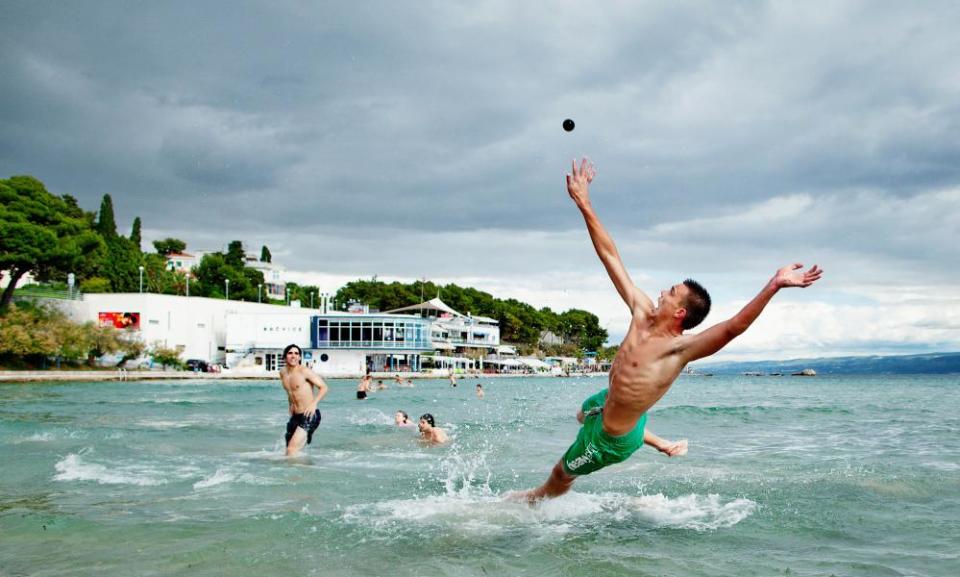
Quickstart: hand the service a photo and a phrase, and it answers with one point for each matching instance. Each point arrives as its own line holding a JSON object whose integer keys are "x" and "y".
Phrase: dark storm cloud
{"x": 449, "y": 115}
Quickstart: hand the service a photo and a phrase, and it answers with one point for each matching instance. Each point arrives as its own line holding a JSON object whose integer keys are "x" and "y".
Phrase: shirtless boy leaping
{"x": 651, "y": 356}
{"x": 299, "y": 382}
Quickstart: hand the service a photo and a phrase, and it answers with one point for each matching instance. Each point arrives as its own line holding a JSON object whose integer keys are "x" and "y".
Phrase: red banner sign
{"x": 120, "y": 320}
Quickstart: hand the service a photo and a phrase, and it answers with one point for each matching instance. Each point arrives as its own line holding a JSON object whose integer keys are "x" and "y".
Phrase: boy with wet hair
{"x": 299, "y": 382}
{"x": 430, "y": 432}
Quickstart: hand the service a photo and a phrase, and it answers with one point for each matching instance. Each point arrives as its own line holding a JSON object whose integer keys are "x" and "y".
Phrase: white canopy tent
{"x": 506, "y": 350}
{"x": 436, "y": 305}
{"x": 505, "y": 365}
{"x": 445, "y": 362}
{"x": 535, "y": 364}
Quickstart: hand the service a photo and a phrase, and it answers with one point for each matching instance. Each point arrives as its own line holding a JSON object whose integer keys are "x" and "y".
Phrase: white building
{"x": 459, "y": 341}
{"x": 26, "y": 279}
{"x": 333, "y": 343}
{"x": 182, "y": 262}
{"x": 250, "y": 337}
{"x": 197, "y": 325}
{"x": 549, "y": 339}
{"x": 274, "y": 277}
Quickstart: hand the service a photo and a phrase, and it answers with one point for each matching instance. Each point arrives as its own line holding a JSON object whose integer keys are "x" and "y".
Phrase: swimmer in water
{"x": 402, "y": 419}
{"x": 480, "y": 393}
{"x": 431, "y": 433}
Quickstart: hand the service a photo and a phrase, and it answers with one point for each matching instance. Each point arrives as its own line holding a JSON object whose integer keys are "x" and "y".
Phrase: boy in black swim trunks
{"x": 299, "y": 383}
{"x": 363, "y": 388}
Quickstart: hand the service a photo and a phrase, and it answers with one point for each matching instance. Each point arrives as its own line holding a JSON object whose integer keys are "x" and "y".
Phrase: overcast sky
{"x": 423, "y": 139}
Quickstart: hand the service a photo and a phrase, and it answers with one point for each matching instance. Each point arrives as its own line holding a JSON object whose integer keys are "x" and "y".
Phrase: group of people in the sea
{"x": 650, "y": 358}
{"x": 305, "y": 389}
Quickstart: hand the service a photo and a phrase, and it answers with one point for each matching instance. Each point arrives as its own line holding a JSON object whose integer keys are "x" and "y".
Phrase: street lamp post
{"x": 311, "y": 299}
{"x": 288, "y": 297}
{"x": 188, "y": 284}
{"x": 259, "y": 292}
{"x": 141, "y": 278}
{"x": 226, "y": 281}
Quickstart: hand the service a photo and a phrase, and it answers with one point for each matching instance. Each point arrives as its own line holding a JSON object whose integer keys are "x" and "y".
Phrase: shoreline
{"x": 114, "y": 375}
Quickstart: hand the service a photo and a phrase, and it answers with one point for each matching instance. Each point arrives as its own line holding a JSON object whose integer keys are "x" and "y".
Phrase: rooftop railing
{"x": 39, "y": 292}
{"x": 370, "y": 344}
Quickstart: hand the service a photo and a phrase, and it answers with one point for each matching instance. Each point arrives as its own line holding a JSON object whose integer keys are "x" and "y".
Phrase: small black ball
{"x": 568, "y": 125}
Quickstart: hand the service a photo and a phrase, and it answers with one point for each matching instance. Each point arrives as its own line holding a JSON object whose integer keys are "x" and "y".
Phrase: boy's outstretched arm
{"x": 716, "y": 337}
{"x": 578, "y": 186}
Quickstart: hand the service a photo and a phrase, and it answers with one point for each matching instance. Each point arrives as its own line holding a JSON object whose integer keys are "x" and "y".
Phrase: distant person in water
{"x": 299, "y": 382}
{"x": 431, "y": 433}
{"x": 363, "y": 388}
{"x": 453, "y": 380}
{"x": 652, "y": 355}
{"x": 480, "y": 393}
{"x": 402, "y": 419}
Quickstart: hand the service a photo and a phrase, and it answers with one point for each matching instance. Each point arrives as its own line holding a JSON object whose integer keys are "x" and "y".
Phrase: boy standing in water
{"x": 299, "y": 382}
{"x": 651, "y": 356}
{"x": 363, "y": 387}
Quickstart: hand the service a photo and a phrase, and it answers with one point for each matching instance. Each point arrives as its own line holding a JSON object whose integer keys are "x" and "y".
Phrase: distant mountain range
{"x": 926, "y": 364}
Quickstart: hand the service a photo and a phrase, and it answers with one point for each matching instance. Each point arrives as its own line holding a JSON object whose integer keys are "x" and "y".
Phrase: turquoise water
{"x": 785, "y": 476}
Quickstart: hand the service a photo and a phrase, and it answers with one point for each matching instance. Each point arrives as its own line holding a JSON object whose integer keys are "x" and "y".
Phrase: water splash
{"x": 370, "y": 417}
{"x": 73, "y": 468}
{"x": 468, "y": 503}
{"x": 218, "y": 478}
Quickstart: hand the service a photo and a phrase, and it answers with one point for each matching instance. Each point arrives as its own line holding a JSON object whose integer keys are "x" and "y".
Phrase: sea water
{"x": 785, "y": 476}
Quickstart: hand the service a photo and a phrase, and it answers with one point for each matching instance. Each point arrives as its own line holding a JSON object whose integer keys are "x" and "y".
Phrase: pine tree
{"x": 265, "y": 254}
{"x": 235, "y": 256}
{"x": 106, "y": 224}
{"x": 135, "y": 233}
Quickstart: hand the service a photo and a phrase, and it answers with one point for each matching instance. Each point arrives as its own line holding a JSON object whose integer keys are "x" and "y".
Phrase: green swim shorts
{"x": 594, "y": 449}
